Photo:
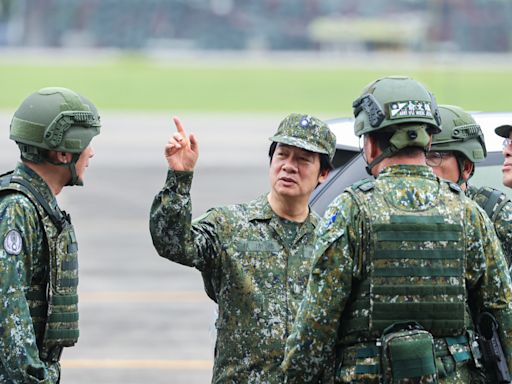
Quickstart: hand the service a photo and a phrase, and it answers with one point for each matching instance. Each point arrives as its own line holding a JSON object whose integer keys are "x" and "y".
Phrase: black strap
{"x": 492, "y": 199}
{"x": 55, "y": 216}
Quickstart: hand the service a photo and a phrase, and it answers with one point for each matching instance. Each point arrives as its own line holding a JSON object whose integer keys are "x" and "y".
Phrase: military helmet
{"x": 392, "y": 101}
{"x": 460, "y": 134}
{"x": 306, "y": 132}
{"x": 56, "y": 119}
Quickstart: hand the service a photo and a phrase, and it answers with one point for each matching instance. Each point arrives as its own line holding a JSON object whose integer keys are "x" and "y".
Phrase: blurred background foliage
{"x": 321, "y": 88}
{"x": 254, "y": 56}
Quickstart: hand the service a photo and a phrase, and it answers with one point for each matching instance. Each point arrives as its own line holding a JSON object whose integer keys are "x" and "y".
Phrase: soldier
{"x": 397, "y": 259}
{"x": 453, "y": 155}
{"x": 255, "y": 256}
{"x": 53, "y": 128}
{"x": 504, "y": 131}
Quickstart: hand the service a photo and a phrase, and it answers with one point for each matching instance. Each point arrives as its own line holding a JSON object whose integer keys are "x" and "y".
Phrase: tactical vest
{"x": 491, "y": 200}
{"x": 413, "y": 267}
{"x": 53, "y": 307}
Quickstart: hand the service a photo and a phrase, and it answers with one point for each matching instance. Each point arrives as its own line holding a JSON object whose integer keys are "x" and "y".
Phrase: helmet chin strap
{"x": 74, "y": 179}
{"x": 388, "y": 152}
{"x": 460, "y": 164}
{"x": 403, "y": 136}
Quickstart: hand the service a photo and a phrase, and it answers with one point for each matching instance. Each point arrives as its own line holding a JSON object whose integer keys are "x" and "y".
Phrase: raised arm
{"x": 170, "y": 224}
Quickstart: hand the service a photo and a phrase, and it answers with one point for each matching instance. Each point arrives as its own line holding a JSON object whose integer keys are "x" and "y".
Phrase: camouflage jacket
{"x": 500, "y": 215}
{"x": 315, "y": 332}
{"x": 258, "y": 280}
{"x": 19, "y": 270}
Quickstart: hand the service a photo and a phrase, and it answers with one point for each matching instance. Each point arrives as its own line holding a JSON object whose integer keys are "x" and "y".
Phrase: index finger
{"x": 180, "y": 129}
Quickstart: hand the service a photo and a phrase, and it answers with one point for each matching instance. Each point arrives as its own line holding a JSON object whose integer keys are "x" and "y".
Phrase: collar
{"x": 37, "y": 181}
{"x": 260, "y": 209}
{"x": 408, "y": 170}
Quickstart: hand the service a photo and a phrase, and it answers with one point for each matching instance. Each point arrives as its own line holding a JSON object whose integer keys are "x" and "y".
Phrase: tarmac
{"x": 144, "y": 319}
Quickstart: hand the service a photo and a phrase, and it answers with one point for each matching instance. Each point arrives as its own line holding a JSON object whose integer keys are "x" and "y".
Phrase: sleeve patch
{"x": 13, "y": 242}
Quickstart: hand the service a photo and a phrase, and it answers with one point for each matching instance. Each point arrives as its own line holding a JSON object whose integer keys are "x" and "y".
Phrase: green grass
{"x": 144, "y": 85}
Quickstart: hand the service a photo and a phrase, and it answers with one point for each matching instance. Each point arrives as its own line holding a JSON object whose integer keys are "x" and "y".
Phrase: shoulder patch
{"x": 13, "y": 242}
{"x": 367, "y": 186}
{"x": 364, "y": 185}
{"x": 332, "y": 219}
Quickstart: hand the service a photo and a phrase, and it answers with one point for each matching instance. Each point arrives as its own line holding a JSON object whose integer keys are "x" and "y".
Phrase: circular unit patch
{"x": 13, "y": 242}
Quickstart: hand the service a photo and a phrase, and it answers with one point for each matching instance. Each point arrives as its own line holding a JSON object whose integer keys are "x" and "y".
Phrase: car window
{"x": 338, "y": 180}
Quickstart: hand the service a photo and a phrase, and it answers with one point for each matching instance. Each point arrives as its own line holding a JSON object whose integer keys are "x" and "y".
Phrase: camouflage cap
{"x": 503, "y": 130}
{"x": 306, "y": 132}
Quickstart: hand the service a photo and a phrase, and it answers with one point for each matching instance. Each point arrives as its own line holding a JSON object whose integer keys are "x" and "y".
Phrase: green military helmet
{"x": 54, "y": 119}
{"x": 460, "y": 134}
{"x": 399, "y": 105}
{"x": 392, "y": 101}
{"x": 306, "y": 132}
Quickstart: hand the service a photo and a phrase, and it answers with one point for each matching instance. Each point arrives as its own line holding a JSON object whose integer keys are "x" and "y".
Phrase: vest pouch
{"x": 62, "y": 322}
{"x": 408, "y": 353}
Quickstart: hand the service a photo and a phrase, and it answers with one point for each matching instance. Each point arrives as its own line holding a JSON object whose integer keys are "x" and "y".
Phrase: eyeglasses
{"x": 506, "y": 142}
{"x": 434, "y": 159}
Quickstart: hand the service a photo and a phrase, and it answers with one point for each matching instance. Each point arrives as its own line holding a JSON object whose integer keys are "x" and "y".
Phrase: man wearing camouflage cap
{"x": 255, "y": 257}
{"x": 505, "y": 132}
{"x": 397, "y": 259}
{"x": 453, "y": 155}
{"x": 53, "y": 128}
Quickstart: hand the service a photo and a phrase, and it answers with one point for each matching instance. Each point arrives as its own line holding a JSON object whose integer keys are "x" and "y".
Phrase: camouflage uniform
{"x": 255, "y": 264}
{"x": 463, "y": 138}
{"x": 258, "y": 276}
{"x": 337, "y": 270}
{"x": 38, "y": 249}
{"x": 21, "y": 325}
{"x": 500, "y": 213}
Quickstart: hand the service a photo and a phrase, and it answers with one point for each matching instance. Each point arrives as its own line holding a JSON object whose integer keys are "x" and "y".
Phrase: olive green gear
{"x": 392, "y": 101}
{"x": 461, "y": 135}
{"x": 55, "y": 119}
{"x": 397, "y": 104}
{"x": 406, "y": 135}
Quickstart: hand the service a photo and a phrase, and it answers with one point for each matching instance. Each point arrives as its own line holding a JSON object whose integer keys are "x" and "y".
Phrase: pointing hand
{"x": 181, "y": 151}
